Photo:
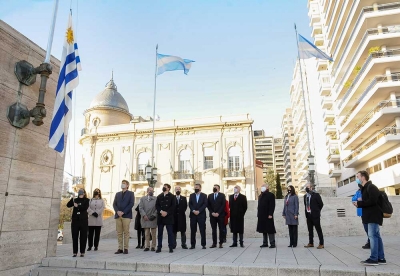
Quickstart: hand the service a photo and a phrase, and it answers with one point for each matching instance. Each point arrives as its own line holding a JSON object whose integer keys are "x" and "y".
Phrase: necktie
{"x": 215, "y": 196}
{"x": 308, "y": 203}
{"x": 235, "y": 197}
{"x": 178, "y": 199}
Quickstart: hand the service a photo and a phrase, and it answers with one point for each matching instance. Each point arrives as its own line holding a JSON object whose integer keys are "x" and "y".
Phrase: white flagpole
{"x": 154, "y": 109}
{"x": 51, "y": 34}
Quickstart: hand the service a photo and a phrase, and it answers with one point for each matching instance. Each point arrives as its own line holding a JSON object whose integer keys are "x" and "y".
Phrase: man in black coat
{"x": 197, "y": 206}
{"x": 180, "y": 217}
{"x": 165, "y": 205}
{"x": 313, "y": 205}
{"x": 371, "y": 215}
{"x": 216, "y": 206}
{"x": 238, "y": 208}
{"x": 265, "y": 215}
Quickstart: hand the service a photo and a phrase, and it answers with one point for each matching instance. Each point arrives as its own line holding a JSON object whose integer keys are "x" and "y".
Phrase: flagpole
{"x": 154, "y": 109}
{"x": 51, "y": 34}
{"x": 310, "y": 156}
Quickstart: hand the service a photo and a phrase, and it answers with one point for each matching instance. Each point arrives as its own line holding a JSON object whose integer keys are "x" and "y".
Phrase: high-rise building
{"x": 264, "y": 147}
{"x": 289, "y": 160}
{"x": 279, "y": 164}
{"x": 360, "y": 89}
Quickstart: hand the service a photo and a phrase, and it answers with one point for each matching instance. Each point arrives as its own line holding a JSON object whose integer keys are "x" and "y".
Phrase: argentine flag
{"x": 309, "y": 50}
{"x": 68, "y": 80}
{"x": 172, "y": 63}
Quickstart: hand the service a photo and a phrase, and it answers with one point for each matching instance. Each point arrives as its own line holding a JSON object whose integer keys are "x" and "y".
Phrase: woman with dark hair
{"x": 291, "y": 214}
{"x": 96, "y": 208}
{"x": 79, "y": 221}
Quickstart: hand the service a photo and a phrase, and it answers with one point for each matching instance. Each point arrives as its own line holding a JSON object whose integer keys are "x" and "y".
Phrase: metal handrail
{"x": 336, "y": 25}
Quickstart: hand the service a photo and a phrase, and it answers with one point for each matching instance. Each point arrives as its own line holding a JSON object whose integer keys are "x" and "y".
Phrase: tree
{"x": 270, "y": 180}
{"x": 65, "y": 212}
{"x": 279, "y": 194}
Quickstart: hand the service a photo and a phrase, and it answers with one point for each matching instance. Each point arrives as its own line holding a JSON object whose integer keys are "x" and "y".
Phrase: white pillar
{"x": 393, "y": 98}
{"x": 389, "y": 74}
{"x": 390, "y": 191}
{"x": 375, "y": 6}
{"x": 397, "y": 122}
{"x": 383, "y": 48}
{"x": 379, "y": 28}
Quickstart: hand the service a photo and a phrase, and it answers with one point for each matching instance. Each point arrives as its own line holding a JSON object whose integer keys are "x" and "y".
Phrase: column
{"x": 390, "y": 191}
{"x": 393, "y": 99}
{"x": 379, "y": 28}
{"x": 388, "y": 74}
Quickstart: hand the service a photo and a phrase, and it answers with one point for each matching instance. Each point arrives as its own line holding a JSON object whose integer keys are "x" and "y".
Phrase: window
{"x": 391, "y": 161}
{"x": 143, "y": 160}
{"x": 208, "y": 158}
{"x": 374, "y": 169}
{"x": 234, "y": 158}
{"x": 184, "y": 161}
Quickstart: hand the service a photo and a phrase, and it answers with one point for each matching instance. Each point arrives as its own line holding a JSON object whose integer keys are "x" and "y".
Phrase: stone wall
{"x": 31, "y": 173}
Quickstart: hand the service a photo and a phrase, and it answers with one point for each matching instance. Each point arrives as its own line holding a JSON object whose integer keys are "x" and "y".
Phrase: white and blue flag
{"x": 68, "y": 80}
{"x": 172, "y": 63}
{"x": 309, "y": 50}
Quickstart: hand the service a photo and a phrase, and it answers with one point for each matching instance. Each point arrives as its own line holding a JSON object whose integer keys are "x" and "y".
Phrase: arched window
{"x": 143, "y": 161}
{"x": 234, "y": 159}
{"x": 184, "y": 161}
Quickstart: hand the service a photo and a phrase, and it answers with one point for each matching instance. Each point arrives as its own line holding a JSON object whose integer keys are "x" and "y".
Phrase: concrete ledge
{"x": 88, "y": 263}
{"x": 184, "y": 267}
{"x": 62, "y": 262}
{"x": 121, "y": 265}
{"x": 298, "y": 270}
{"x": 221, "y": 269}
{"x": 152, "y": 267}
{"x": 49, "y": 271}
{"x": 45, "y": 262}
{"x": 81, "y": 272}
{"x": 258, "y": 269}
{"x": 114, "y": 273}
{"x": 382, "y": 271}
{"x": 330, "y": 270}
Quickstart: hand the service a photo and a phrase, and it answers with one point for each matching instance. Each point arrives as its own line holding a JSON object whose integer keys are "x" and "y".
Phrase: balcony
{"x": 334, "y": 156}
{"x": 376, "y": 145}
{"x": 78, "y": 182}
{"x": 332, "y": 140}
{"x": 328, "y": 116}
{"x": 327, "y": 102}
{"x": 138, "y": 178}
{"x": 319, "y": 40}
{"x": 182, "y": 177}
{"x": 335, "y": 172}
{"x": 330, "y": 129}
{"x": 381, "y": 115}
{"x": 316, "y": 29}
{"x": 233, "y": 174}
{"x": 314, "y": 15}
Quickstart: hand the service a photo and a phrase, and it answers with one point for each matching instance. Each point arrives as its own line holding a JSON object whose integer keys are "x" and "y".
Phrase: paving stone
{"x": 121, "y": 265}
{"x": 298, "y": 270}
{"x": 221, "y": 269}
{"x": 62, "y": 262}
{"x": 333, "y": 270}
{"x": 49, "y": 271}
{"x": 90, "y": 263}
{"x": 258, "y": 269}
{"x": 153, "y": 266}
{"x": 185, "y": 267}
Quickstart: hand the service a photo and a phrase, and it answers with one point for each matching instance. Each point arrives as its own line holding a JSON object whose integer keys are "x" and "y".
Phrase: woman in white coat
{"x": 95, "y": 211}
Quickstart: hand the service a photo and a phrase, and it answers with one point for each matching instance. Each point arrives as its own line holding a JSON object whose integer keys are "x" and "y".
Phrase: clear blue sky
{"x": 244, "y": 52}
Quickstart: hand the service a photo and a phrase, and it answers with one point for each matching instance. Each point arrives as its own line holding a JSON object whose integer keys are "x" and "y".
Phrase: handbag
{"x": 152, "y": 217}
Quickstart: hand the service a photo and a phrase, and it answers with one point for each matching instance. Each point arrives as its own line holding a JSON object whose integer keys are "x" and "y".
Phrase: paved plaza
{"x": 341, "y": 256}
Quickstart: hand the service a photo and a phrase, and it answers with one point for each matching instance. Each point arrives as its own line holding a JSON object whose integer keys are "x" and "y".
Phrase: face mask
{"x": 80, "y": 193}
{"x": 151, "y": 193}
{"x": 164, "y": 189}
{"x": 196, "y": 190}
{"x": 95, "y": 193}
{"x": 263, "y": 189}
{"x": 358, "y": 181}
{"x": 307, "y": 190}
{"x": 215, "y": 190}
{"x": 123, "y": 186}
{"x": 178, "y": 192}
{"x": 289, "y": 191}
{"x": 235, "y": 190}
{"x": 360, "y": 186}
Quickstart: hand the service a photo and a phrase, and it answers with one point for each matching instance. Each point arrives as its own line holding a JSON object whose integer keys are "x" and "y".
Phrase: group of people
{"x": 169, "y": 211}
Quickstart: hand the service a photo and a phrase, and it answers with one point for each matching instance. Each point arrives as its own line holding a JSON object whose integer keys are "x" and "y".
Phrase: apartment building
{"x": 264, "y": 148}
{"x": 279, "y": 160}
{"x": 360, "y": 89}
{"x": 289, "y": 159}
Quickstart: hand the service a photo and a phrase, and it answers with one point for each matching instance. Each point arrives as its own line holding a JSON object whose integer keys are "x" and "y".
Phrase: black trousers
{"x": 79, "y": 232}
{"x": 314, "y": 222}
{"x": 140, "y": 237}
{"x": 94, "y": 232}
{"x": 235, "y": 238}
{"x": 293, "y": 234}
{"x": 170, "y": 231}
{"x": 193, "y": 230}
{"x": 271, "y": 238}
{"x": 183, "y": 237}
{"x": 220, "y": 222}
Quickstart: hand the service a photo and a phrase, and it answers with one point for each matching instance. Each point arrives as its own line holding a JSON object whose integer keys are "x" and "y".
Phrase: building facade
{"x": 117, "y": 146}
{"x": 279, "y": 163}
{"x": 289, "y": 153}
{"x": 264, "y": 150}
{"x": 360, "y": 89}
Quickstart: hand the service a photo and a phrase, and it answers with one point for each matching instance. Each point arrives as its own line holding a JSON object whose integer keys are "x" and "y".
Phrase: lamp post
{"x": 311, "y": 170}
{"x": 151, "y": 175}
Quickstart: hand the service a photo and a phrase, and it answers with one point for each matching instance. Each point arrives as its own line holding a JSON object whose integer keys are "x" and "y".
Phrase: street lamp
{"x": 151, "y": 175}
{"x": 311, "y": 170}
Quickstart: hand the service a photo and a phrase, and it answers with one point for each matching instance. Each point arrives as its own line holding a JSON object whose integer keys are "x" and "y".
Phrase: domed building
{"x": 118, "y": 146}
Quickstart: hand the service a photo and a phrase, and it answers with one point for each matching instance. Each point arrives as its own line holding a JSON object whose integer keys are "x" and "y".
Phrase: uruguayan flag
{"x": 171, "y": 63}
{"x": 68, "y": 80}
{"x": 309, "y": 50}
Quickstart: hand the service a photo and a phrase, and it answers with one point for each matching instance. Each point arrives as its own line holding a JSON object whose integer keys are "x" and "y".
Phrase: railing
{"x": 368, "y": 117}
{"x": 372, "y": 141}
{"x": 330, "y": 20}
{"x": 334, "y": 169}
{"x": 336, "y": 25}
{"x": 183, "y": 175}
{"x": 138, "y": 177}
{"x": 372, "y": 56}
{"x": 326, "y": 98}
{"x": 233, "y": 173}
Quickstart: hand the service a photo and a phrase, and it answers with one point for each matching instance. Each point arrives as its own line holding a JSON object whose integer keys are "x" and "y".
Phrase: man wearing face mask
{"x": 313, "y": 205}
{"x": 216, "y": 206}
{"x": 265, "y": 215}
{"x": 180, "y": 217}
{"x": 358, "y": 197}
{"x": 123, "y": 204}
{"x": 238, "y": 208}
{"x": 165, "y": 205}
{"x": 197, "y": 206}
{"x": 148, "y": 211}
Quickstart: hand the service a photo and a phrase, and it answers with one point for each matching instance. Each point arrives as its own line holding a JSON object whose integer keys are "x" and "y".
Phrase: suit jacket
{"x": 80, "y": 213}
{"x": 238, "y": 209}
{"x": 198, "y": 206}
{"x": 216, "y": 205}
{"x": 291, "y": 209}
{"x": 316, "y": 205}
{"x": 124, "y": 203}
{"x": 165, "y": 203}
{"x": 180, "y": 214}
{"x": 266, "y": 207}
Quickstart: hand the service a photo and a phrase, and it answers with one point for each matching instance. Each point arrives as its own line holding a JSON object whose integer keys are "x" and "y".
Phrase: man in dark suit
{"x": 197, "y": 206}
{"x": 238, "y": 208}
{"x": 313, "y": 205}
{"x": 265, "y": 216}
{"x": 180, "y": 217}
{"x": 123, "y": 204}
{"x": 165, "y": 205}
{"x": 216, "y": 206}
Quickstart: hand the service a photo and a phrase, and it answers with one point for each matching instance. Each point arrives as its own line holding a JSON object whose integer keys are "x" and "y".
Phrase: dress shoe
{"x": 142, "y": 246}
{"x": 119, "y": 251}
{"x": 153, "y": 249}
{"x": 174, "y": 247}
{"x": 125, "y": 251}
{"x": 82, "y": 255}
{"x": 309, "y": 245}
{"x": 272, "y": 246}
{"x": 95, "y": 249}
{"x": 146, "y": 249}
{"x": 264, "y": 245}
{"x": 321, "y": 246}
{"x": 158, "y": 250}
{"x": 171, "y": 250}
{"x": 138, "y": 247}
{"x": 74, "y": 255}
{"x": 294, "y": 246}
{"x": 184, "y": 247}
{"x": 192, "y": 247}
{"x": 241, "y": 245}
{"x": 213, "y": 246}
{"x": 367, "y": 246}
{"x": 233, "y": 245}
{"x": 220, "y": 245}
{"x": 290, "y": 246}
{"x": 204, "y": 247}
{"x": 89, "y": 249}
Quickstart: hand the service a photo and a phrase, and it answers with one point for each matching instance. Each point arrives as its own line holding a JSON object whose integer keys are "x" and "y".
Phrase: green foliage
{"x": 65, "y": 213}
{"x": 348, "y": 83}
{"x": 374, "y": 49}
{"x": 357, "y": 69}
{"x": 270, "y": 180}
{"x": 278, "y": 194}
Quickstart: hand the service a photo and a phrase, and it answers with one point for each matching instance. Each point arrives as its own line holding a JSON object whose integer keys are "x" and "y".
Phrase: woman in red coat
{"x": 227, "y": 215}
